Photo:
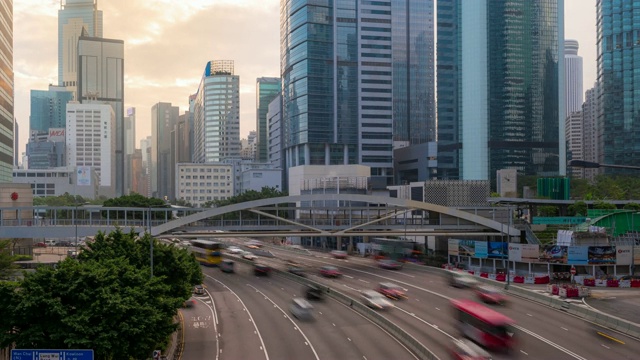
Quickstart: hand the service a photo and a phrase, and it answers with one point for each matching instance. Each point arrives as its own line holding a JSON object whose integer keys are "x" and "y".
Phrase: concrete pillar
{"x": 339, "y": 240}
{"x": 350, "y": 248}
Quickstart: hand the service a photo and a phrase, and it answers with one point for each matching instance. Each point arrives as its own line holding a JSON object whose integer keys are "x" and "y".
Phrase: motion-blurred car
{"x": 261, "y": 270}
{"x": 375, "y": 300}
{"x": 390, "y": 264}
{"x": 247, "y": 255}
{"x": 295, "y": 270}
{"x": 465, "y": 349}
{"x": 254, "y": 244}
{"x": 461, "y": 279}
{"x": 189, "y": 303}
{"x": 339, "y": 254}
{"x": 392, "y": 291}
{"x": 330, "y": 271}
{"x": 491, "y": 295}
{"x": 198, "y": 290}
{"x": 301, "y": 309}
{"x": 185, "y": 243}
{"x": 227, "y": 266}
{"x": 313, "y": 292}
{"x": 234, "y": 250}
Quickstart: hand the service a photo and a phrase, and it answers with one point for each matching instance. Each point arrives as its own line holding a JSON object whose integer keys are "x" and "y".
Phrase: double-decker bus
{"x": 484, "y": 326}
{"x": 207, "y": 252}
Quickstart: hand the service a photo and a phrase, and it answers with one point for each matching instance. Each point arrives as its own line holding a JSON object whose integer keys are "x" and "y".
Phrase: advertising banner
{"x": 83, "y": 176}
{"x": 530, "y": 252}
{"x": 624, "y": 254}
{"x": 636, "y": 255}
{"x": 453, "y": 247}
{"x": 515, "y": 252}
{"x": 482, "y": 249}
{"x": 467, "y": 248}
{"x": 578, "y": 255}
{"x": 602, "y": 255}
{"x": 57, "y": 134}
{"x": 498, "y": 250}
{"x": 553, "y": 254}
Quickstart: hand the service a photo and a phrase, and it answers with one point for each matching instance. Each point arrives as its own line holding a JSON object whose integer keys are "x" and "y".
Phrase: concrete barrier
{"x": 417, "y": 348}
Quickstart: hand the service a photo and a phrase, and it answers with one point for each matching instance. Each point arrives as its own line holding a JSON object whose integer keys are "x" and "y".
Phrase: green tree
{"x": 547, "y": 210}
{"x": 632, "y": 206}
{"x": 579, "y": 208}
{"x": 603, "y": 205}
{"x": 136, "y": 200}
{"x": 251, "y": 195}
{"x": 6, "y": 259}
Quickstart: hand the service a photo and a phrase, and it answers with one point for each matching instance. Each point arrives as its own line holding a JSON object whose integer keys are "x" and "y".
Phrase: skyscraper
{"x": 6, "y": 91}
{"x": 129, "y": 148}
{"x": 590, "y": 111}
{"x": 164, "y": 117}
{"x": 101, "y": 80}
{"x": 356, "y": 77}
{"x": 266, "y": 90}
{"x": 49, "y": 108}
{"x": 510, "y": 69}
{"x": 573, "y": 77}
{"x": 618, "y": 41}
{"x": 217, "y": 113}
{"x": 73, "y": 16}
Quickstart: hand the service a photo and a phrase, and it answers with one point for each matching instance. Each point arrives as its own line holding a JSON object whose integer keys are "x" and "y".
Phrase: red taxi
{"x": 330, "y": 271}
{"x": 392, "y": 291}
{"x": 491, "y": 295}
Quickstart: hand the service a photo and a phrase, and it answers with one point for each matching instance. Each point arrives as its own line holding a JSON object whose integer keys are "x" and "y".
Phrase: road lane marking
{"x": 529, "y": 315}
{"x": 438, "y": 309}
{"x": 610, "y": 337}
{"x": 605, "y": 346}
{"x": 215, "y": 312}
{"x": 522, "y": 351}
{"x": 307, "y": 342}
{"x": 364, "y": 281}
{"x": 350, "y": 277}
{"x": 215, "y": 327}
{"x": 426, "y": 322}
{"x": 266, "y": 354}
{"x": 549, "y": 342}
{"x": 349, "y": 339}
{"x": 564, "y": 328}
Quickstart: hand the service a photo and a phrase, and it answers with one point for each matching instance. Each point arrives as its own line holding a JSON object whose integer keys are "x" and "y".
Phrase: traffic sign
{"x": 573, "y": 270}
{"x": 48, "y": 354}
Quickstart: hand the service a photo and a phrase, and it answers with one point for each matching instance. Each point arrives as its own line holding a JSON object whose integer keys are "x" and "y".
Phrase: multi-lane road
{"x": 253, "y": 320}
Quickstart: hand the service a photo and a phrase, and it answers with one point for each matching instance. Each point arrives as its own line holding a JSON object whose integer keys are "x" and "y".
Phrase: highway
{"x": 543, "y": 333}
{"x": 254, "y": 322}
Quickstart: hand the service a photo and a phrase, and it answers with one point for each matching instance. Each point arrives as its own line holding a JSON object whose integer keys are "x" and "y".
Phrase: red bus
{"x": 484, "y": 326}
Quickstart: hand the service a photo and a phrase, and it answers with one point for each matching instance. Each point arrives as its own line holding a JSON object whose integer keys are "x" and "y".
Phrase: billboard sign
{"x": 602, "y": 255}
{"x": 453, "y": 247}
{"x": 467, "y": 248}
{"x": 578, "y": 255}
{"x": 515, "y": 252}
{"x": 553, "y": 254}
{"x": 482, "y": 249}
{"x": 83, "y": 175}
{"x": 57, "y": 134}
{"x": 624, "y": 254}
{"x": 530, "y": 252}
{"x": 498, "y": 250}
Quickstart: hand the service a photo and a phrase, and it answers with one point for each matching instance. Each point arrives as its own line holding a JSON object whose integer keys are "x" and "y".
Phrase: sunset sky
{"x": 168, "y": 42}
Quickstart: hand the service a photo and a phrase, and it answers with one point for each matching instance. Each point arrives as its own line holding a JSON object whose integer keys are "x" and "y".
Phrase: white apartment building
{"x": 198, "y": 183}
{"x": 91, "y": 142}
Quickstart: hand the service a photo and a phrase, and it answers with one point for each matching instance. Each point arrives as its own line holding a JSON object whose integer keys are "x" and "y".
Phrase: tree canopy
{"x": 6, "y": 259}
{"x": 251, "y": 195}
{"x": 104, "y": 300}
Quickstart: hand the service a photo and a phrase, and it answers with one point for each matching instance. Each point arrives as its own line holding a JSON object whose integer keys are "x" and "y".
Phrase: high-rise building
{"x": 73, "y": 17}
{"x": 164, "y": 118}
{"x": 448, "y": 70}
{"x": 266, "y": 90}
{"x": 101, "y": 80}
{"x": 16, "y": 144}
{"x": 129, "y": 148}
{"x": 183, "y": 134}
{"x": 216, "y": 112}
{"x": 138, "y": 174}
{"x": 145, "y": 149}
{"x": 574, "y": 135}
{"x": 47, "y": 149}
{"x": 85, "y": 149}
{"x": 590, "y": 111}
{"x": 618, "y": 41}
{"x": 573, "y": 93}
{"x": 509, "y": 63}
{"x": 6, "y": 91}
{"x": 362, "y": 79}
{"x": 49, "y": 108}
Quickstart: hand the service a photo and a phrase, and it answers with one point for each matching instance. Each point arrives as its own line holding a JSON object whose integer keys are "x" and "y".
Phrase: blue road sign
{"x": 46, "y": 354}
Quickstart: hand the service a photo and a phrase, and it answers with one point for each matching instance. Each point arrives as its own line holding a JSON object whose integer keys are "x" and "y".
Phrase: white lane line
{"x": 347, "y": 276}
{"x": 564, "y": 350}
{"x": 564, "y": 328}
{"x": 529, "y": 315}
{"x": 263, "y": 348}
{"x": 522, "y": 351}
{"x": 349, "y": 287}
{"x": 349, "y": 339}
{"x": 364, "y": 281}
{"x": 307, "y": 342}
{"x": 438, "y": 309}
{"x": 605, "y": 346}
{"x": 214, "y": 306}
{"x": 426, "y": 322}
{"x": 215, "y": 327}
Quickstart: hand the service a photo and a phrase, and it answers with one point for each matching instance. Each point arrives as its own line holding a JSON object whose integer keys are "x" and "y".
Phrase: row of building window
{"x": 207, "y": 184}
{"x": 208, "y": 198}
{"x": 215, "y": 170}
{"x": 203, "y": 191}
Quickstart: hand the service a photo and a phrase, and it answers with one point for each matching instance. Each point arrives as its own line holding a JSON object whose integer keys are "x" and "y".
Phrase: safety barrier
{"x": 417, "y": 348}
{"x": 600, "y": 318}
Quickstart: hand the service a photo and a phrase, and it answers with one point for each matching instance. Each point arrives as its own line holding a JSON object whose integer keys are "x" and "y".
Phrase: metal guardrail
{"x": 417, "y": 348}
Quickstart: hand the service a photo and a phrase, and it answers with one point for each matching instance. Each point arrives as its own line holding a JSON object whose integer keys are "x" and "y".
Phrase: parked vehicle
{"x": 198, "y": 290}
{"x": 40, "y": 244}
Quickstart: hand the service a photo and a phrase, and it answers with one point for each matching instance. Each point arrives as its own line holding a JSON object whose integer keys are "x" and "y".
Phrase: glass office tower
{"x": 49, "y": 108}
{"x": 266, "y": 90}
{"x": 357, "y": 77}
{"x": 618, "y": 43}
{"x": 512, "y": 67}
{"x": 73, "y": 16}
{"x": 6, "y": 91}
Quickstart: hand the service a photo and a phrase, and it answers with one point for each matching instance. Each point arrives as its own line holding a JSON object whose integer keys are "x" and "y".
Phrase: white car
{"x": 185, "y": 243}
{"x": 374, "y": 299}
{"x": 249, "y": 256}
{"x": 461, "y": 279}
{"x": 235, "y": 250}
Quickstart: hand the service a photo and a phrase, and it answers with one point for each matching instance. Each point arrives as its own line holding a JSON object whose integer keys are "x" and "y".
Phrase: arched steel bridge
{"x": 317, "y": 215}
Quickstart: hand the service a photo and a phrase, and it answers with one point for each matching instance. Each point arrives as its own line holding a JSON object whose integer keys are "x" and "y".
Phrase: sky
{"x": 169, "y": 42}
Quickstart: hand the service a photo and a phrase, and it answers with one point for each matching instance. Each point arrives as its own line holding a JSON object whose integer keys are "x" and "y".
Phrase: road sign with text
{"x": 42, "y": 354}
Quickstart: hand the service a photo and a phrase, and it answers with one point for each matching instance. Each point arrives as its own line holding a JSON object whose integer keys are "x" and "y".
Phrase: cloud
{"x": 167, "y": 45}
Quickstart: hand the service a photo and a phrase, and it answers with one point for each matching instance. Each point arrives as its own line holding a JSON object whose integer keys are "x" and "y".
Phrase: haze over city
{"x": 168, "y": 43}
